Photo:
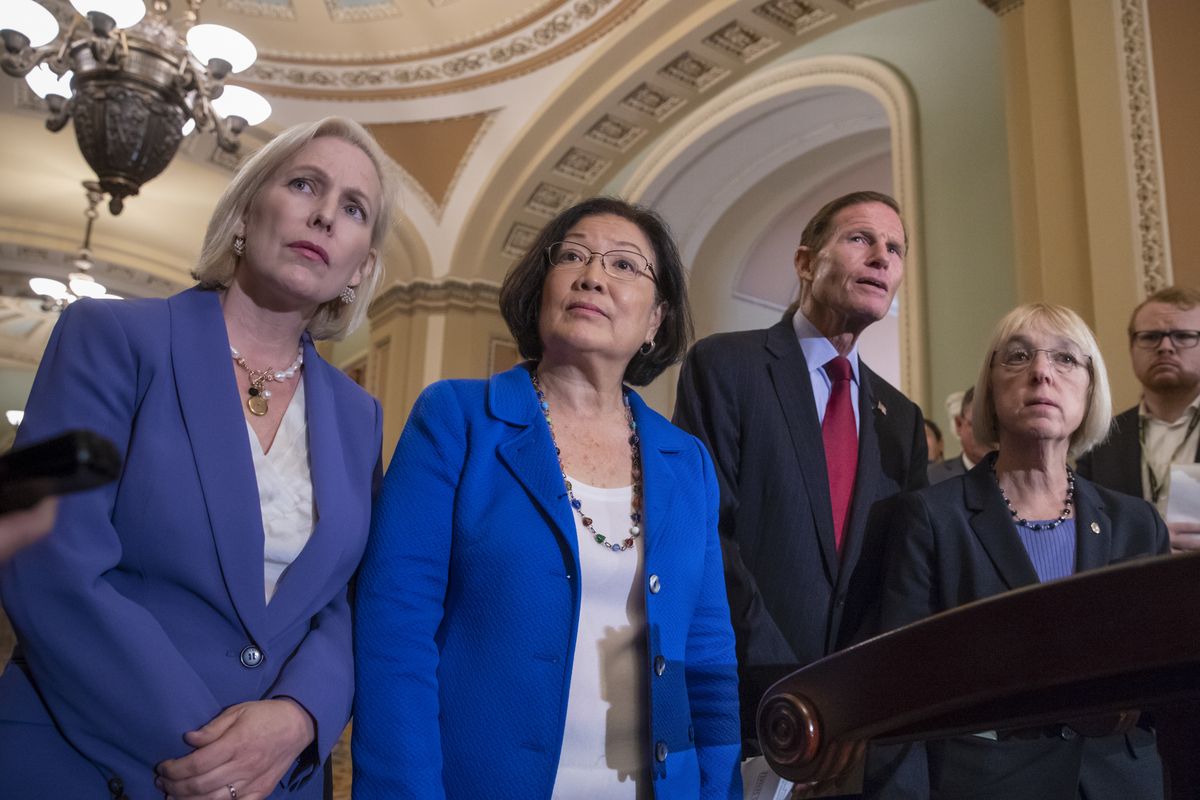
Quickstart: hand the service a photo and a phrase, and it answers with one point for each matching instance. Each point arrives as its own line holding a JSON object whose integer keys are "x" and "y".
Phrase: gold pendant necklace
{"x": 256, "y": 402}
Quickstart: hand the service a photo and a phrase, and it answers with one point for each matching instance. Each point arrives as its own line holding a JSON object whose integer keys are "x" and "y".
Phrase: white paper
{"x": 760, "y": 783}
{"x": 1183, "y": 501}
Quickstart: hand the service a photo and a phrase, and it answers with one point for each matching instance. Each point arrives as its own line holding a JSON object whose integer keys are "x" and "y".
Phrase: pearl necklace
{"x": 635, "y": 513}
{"x": 1040, "y": 526}
{"x": 257, "y": 399}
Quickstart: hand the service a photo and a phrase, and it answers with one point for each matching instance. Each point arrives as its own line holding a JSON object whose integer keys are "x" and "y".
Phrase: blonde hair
{"x": 333, "y": 319}
{"x": 1059, "y": 321}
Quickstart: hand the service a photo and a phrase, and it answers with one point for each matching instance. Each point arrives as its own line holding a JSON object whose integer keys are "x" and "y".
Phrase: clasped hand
{"x": 248, "y": 746}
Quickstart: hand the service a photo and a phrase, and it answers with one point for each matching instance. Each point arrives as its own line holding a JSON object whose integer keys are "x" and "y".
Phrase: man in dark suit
{"x": 1164, "y": 331}
{"x": 776, "y": 411}
{"x": 972, "y": 450}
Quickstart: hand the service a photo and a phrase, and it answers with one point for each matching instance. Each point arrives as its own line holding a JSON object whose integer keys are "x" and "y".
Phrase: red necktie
{"x": 841, "y": 443}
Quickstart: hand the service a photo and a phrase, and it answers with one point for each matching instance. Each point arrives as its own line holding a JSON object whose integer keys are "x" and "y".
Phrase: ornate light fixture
{"x": 57, "y": 295}
{"x": 131, "y": 82}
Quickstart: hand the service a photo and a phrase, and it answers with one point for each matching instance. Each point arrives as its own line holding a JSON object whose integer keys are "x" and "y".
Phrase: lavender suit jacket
{"x": 133, "y": 616}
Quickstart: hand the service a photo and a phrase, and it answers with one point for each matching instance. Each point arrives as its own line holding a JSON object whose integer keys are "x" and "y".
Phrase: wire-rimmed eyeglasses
{"x": 1150, "y": 340}
{"x": 1018, "y": 358}
{"x": 623, "y": 265}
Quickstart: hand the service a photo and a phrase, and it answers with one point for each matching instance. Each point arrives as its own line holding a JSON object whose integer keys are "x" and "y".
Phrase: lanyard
{"x": 1157, "y": 485}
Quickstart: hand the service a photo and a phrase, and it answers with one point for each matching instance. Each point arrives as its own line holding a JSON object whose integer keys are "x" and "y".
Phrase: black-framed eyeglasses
{"x": 1019, "y": 358}
{"x": 1150, "y": 340}
{"x": 624, "y": 265}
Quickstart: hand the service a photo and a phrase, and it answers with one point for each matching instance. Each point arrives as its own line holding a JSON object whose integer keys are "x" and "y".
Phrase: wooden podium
{"x": 1079, "y": 650}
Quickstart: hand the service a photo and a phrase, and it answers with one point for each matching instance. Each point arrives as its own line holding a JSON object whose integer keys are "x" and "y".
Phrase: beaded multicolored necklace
{"x": 1040, "y": 526}
{"x": 635, "y": 510}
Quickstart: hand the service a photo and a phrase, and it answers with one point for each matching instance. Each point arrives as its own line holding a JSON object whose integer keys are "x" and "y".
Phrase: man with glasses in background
{"x": 1163, "y": 429}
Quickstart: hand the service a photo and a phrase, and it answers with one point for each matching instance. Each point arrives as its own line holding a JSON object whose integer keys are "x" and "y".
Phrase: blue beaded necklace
{"x": 635, "y": 510}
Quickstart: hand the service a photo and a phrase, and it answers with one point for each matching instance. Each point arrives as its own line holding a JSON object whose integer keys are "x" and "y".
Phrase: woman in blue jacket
{"x": 541, "y": 611}
{"x": 185, "y": 630}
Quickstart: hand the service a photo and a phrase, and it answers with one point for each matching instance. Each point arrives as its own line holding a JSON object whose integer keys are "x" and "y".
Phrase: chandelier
{"x": 57, "y": 295}
{"x": 133, "y": 83}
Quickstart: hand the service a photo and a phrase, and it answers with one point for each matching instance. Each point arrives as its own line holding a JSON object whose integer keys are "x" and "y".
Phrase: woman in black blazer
{"x": 1018, "y": 518}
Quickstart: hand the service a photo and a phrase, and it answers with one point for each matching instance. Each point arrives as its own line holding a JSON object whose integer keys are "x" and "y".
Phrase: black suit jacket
{"x": 747, "y": 395}
{"x": 1117, "y": 463}
{"x": 955, "y": 542}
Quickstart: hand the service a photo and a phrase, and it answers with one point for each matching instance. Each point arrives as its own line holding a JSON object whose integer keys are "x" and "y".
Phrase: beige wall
{"x": 1173, "y": 28}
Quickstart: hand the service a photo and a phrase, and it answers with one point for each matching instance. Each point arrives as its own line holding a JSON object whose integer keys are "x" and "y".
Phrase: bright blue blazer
{"x": 468, "y": 601}
{"x": 132, "y": 615}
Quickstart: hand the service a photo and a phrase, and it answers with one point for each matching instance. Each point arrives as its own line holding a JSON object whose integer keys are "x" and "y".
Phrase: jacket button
{"x": 251, "y": 656}
{"x": 660, "y": 751}
{"x": 1067, "y": 733}
{"x": 115, "y": 787}
{"x": 655, "y": 584}
{"x": 660, "y": 665}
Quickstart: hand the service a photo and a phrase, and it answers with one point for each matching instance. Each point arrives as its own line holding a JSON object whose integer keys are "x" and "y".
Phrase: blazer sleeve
{"x": 711, "y": 666}
{"x": 320, "y": 673}
{"x": 112, "y": 679}
{"x": 399, "y": 605}
{"x": 709, "y": 405}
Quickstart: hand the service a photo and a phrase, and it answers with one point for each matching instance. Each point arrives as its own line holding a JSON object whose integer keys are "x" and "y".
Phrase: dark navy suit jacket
{"x": 469, "y": 598}
{"x": 748, "y": 396}
{"x": 955, "y": 542}
{"x": 131, "y": 616}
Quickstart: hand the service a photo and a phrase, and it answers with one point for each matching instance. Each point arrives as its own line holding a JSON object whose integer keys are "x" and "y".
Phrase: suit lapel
{"x": 789, "y": 376}
{"x": 661, "y": 444}
{"x": 529, "y": 453}
{"x": 330, "y": 493}
{"x": 216, "y": 428}
{"x": 993, "y": 527}
{"x": 1093, "y": 528}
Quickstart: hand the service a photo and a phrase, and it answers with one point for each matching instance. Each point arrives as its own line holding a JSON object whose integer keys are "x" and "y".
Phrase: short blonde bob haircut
{"x": 1057, "y": 321}
{"x": 334, "y": 319}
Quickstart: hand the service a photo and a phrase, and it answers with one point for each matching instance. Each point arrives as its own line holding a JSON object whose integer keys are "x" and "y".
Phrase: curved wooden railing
{"x": 1122, "y": 637}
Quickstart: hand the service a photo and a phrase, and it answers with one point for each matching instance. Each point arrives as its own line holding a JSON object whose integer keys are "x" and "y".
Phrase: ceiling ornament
{"x": 271, "y": 9}
{"x": 542, "y": 41}
{"x": 793, "y": 16}
{"x": 133, "y": 83}
{"x": 361, "y": 10}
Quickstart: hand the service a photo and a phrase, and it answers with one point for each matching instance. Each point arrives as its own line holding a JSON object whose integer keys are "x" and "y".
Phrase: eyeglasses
{"x": 624, "y": 265}
{"x": 1150, "y": 340}
{"x": 1020, "y": 358}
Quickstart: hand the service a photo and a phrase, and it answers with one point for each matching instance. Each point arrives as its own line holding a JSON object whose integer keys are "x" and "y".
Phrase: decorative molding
{"x": 28, "y": 261}
{"x": 1002, "y": 7}
{"x": 581, "y": 165}
{"x": 652, "y": 101}
{"x": 548, "y": 200}
{"x": 1146, "y": 159}
{"x": 694, "y": 72}
{"x": 271, "y": 9}
{"x": 793, "y": 16}
{"x": 520, "y": 238}
{"x": 343, "y": 11}
{"x": 426, "y": 295}
{"x": 542, "y": 41}
{"x": 615, "y": 132}
{"x": 742, "y": 42}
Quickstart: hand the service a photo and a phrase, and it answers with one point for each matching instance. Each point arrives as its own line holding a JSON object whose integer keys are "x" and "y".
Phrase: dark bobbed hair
{"x": 818, "y": 230}
{"x": 521, "y": 292}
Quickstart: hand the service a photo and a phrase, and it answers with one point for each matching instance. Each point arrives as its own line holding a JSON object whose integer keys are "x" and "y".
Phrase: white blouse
{"x": 285, "y": 493}
{"x": 605, "y": 750}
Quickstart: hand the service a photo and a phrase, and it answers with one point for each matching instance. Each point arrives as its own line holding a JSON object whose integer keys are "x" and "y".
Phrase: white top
{"x": 285, "y": 493}
{"x": 606, "y": 744}
{"x": 1167, "y": 443}
{"x": 818, "y": 351}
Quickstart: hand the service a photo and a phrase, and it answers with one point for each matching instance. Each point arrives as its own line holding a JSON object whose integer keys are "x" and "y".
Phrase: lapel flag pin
{"x": 1095, "y": 527}
{"x": 881, "y": 408}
